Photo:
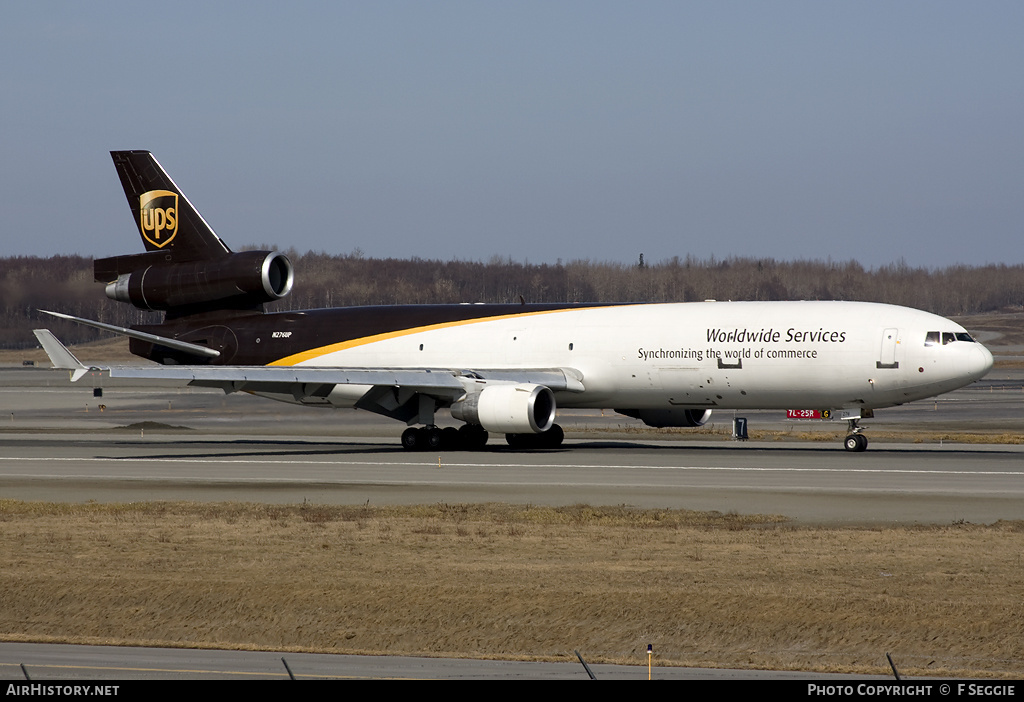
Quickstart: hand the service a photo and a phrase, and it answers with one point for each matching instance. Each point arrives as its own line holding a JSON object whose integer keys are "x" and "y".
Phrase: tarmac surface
{"x": 49, "y": 662}
{"x": 892, "y": 483}
{"x": 62, "y": 443}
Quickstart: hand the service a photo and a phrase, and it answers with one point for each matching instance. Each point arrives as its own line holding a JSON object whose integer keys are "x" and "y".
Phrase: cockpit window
{"x": 933, "y": 337}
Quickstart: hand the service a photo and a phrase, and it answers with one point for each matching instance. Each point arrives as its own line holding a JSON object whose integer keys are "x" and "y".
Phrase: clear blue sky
{"x": 532, "y": 130}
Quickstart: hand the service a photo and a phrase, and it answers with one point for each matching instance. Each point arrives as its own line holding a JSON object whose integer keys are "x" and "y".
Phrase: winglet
{"x": 59, "y": 355}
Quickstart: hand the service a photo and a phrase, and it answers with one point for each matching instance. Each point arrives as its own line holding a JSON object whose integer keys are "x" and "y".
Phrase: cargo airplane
{"x": 503, "y": 368}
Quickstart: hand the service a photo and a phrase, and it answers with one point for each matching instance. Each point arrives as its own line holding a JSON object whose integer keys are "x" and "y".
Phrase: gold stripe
{"x": 297, "y": 358}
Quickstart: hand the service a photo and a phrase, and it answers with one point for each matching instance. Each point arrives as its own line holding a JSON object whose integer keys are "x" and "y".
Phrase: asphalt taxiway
{"x": 50, "y": 662}
{"x": 65, "y": 443}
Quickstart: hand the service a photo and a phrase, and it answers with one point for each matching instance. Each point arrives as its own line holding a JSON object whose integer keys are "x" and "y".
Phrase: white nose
{"x": 982, "y": 361}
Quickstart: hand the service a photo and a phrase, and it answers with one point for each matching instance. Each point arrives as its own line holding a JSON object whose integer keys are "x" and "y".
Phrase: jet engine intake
{"x": 672, "y": 417}
{"x": 242, "y": 279}
{"x": 509, "y": 409}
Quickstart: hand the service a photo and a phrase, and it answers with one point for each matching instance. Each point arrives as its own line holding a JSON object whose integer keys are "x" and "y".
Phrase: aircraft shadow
{"x": 260, "y": 448}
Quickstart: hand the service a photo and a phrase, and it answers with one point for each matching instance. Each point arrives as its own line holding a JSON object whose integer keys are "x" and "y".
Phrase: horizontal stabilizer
{"x": 142, "y": 336}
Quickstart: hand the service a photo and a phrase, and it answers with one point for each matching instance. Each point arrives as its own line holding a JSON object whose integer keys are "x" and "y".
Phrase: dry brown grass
{"x": 517, "y": 582}
{"x": 111, "y": 350}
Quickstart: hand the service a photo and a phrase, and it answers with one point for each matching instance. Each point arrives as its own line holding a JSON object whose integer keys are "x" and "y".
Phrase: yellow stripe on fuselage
{"x": 311, "y": 354}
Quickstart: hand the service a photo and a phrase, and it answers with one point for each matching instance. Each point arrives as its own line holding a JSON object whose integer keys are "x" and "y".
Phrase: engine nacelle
{"x": 661, "y": 418}
{"x": 237, "y": 279}
{"x": 509, "y": 409}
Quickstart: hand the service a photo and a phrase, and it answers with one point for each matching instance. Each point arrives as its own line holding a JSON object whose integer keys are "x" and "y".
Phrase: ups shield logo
{"x": 158, "y": 217}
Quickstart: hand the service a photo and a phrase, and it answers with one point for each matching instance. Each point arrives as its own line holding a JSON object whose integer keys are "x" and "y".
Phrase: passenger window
{"x": 948, "y": 338}
{"x": 931, "y": 339}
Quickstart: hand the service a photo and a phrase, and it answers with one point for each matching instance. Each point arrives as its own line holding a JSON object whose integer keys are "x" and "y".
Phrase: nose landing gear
{"x": 855, "y": 440}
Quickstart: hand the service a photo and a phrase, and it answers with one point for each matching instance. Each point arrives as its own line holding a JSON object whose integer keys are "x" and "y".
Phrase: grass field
{"x": 517, "y": 582}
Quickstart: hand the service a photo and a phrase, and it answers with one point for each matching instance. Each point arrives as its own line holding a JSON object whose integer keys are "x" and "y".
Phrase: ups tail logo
{"x": 158, "y": 216}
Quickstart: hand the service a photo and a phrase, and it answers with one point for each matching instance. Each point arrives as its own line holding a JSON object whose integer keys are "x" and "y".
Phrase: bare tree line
{"x": 64, "y": 284}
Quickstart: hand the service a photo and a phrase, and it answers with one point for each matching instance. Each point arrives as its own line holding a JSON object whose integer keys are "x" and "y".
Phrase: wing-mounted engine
{"x": 509, "y": 408}
{"x": 154, "y": 281}
{"x": 661, "y": 418}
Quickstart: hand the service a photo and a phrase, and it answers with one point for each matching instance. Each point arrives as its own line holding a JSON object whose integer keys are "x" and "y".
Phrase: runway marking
{"x": 433, "y": 466}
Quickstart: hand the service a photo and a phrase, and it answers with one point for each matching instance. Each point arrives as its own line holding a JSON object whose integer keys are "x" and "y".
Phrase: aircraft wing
{"x": 302, "y": 382}
{"x": 442, "y": 380}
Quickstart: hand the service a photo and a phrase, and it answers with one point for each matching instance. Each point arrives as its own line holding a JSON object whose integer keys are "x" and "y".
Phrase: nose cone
{"x": 981, "y": 362}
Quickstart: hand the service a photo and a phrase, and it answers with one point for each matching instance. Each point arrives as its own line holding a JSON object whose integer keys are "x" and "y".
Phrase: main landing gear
{"x": 472, "y": 437}
{"x": 552, "y": 438}
{"x": 468, "y": 437}
{"x": 855, "y": 440}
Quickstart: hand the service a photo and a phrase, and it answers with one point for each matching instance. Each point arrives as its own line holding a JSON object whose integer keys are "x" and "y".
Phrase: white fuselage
{"x": 724, "y": 355}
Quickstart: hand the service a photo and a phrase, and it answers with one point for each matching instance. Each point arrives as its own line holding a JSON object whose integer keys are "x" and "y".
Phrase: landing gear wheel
{"x": 516, "y": 441}
{"x": 450, "y": 440}
{"x": 550, "y": 439}
{"x": 412, "y": 439}
{"x": 856, "y": 443}
{"x": 553, "y": 437}
{"x": 472, "y": 437}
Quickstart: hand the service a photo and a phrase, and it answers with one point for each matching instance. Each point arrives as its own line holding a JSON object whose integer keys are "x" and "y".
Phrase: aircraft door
{"x": 887, "y": 354}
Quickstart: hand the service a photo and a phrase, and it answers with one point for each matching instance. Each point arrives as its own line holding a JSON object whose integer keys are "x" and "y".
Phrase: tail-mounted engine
{"x": 153, "y": 281}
